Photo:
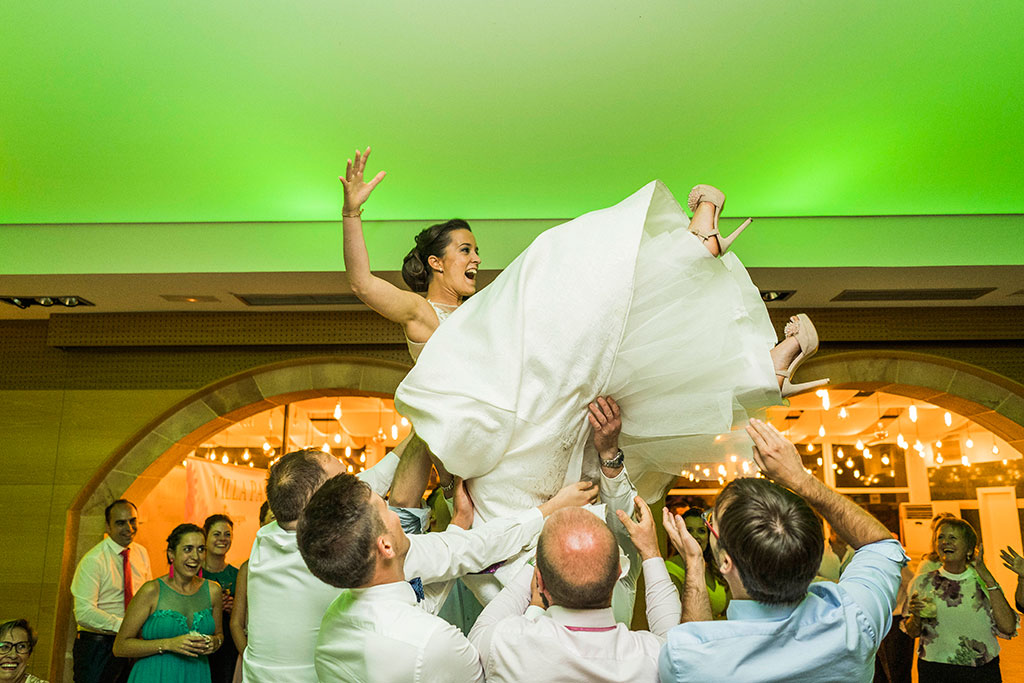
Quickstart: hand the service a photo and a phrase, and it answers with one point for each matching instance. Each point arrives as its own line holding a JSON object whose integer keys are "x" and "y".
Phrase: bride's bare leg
{"x": 412, "y": 475}
{"x": 703, "y": 224}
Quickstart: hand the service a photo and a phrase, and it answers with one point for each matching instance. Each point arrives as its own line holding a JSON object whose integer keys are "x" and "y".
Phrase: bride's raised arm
{"x": 397, "y": 305}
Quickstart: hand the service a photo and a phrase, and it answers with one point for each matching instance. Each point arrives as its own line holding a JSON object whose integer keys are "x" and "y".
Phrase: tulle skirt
{"x": 624, "y": 302}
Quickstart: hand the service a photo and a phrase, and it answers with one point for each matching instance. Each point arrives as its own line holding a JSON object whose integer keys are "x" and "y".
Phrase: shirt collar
{"x": 396, "y": 590}
{"x": 752, "y": 610}
{"x": 586, "y": 618}
{"x": 115, "y": 547}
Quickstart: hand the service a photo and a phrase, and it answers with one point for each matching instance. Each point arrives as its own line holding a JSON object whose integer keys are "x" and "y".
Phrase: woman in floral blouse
{"x": 958, "y": 610}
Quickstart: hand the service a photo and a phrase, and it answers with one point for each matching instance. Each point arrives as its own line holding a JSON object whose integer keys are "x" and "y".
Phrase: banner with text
{"x": 237, "y": 492}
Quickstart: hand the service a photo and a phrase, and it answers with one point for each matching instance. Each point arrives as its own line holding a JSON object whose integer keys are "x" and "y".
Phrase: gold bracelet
{"x": 352, "y": 215}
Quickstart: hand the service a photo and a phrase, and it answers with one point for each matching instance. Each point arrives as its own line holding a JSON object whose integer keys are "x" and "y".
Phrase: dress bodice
{"x": 442, "y": 311}
{"x": 177, "y": 614}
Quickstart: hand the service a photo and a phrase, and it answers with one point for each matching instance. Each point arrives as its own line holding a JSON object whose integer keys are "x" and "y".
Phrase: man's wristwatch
{"x": 615, "y": 462}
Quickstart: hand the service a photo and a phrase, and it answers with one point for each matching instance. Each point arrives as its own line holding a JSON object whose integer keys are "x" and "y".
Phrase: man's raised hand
{"x": 606, "y": 420}
{"x": 641, "y": 532}
{"x": 777, "y": 457}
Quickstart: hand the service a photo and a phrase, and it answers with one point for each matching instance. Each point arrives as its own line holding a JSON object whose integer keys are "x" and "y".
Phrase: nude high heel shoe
{"x": 807, "y": 338}
{"x": 707, "y": 193}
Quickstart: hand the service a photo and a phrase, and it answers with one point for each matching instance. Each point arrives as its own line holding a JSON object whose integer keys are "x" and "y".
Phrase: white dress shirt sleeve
{"x": 380, "y": 476}
{"x": 454, "y": 552}
{"x": 512, "y": 601}
{"x": 85, "y": 588}
{"x": 663, "y": 606}
{"x": 449, "y": 657}
{"x": 617, "y": 493}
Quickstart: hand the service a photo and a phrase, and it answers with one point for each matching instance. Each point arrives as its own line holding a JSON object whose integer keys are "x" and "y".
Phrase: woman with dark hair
{"x": 718, "y": 589}
{"x": 440, "y": 270}
{"x": 218, "y": 529}
{"x": 17, "y": 640}
{"x": 959, "y": 611}
{"x": 174, "y": 622}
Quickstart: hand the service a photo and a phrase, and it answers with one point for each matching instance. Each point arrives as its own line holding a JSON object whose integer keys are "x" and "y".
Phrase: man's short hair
{"x": 773, "y": 536}
{"x": 338, "y": 531}
{"x": 293, "y": 480}
{"x": 120, "y": 501}
{"x": 565, "y": 586}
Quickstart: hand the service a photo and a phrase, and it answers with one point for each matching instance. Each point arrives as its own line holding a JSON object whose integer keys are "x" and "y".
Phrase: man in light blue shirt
{"x": 769, "y": 543}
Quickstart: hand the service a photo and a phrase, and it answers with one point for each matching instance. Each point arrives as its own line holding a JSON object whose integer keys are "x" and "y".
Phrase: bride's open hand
{"x": 357, "y": 190}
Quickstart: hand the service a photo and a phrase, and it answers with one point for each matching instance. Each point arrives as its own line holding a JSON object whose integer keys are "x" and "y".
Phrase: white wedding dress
{"x": 624, "y": 302}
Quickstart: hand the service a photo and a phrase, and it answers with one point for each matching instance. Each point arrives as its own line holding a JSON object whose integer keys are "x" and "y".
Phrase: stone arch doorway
{"x": 993, "y": 401}
{"x": 145, "y": 458}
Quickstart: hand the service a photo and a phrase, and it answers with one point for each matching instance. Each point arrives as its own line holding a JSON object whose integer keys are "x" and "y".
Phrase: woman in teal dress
{"x": 173, "y": 623}
{"x": 218, "y": 530}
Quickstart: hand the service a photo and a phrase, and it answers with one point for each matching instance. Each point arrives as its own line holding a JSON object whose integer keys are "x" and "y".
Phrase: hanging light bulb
{"x": 746, "y": 467}
{"x": 938, "y": 444}
{"x": 849, "y": 463}
{"x": 885, "y": 459}
{"x": 337, "y": 410}
{"x": 964, "y": 460}
{"x": 348, "y": 451}
{"x": 867, "y": 454}
{"x": 938, "y": 458}
{"x": 948, "y": 418}
{"x": 350, "y": 469}
{"x": 362, "y": 457}
{"x": 394, "y": 431}
{"x": 918, "y": 446}
{"x": 820, "y": 461}
{"x": 245, "y": 455}
{"x": 404, "y": 421}
{"x": 842, "y": 412}
{"x": 213, "y": 454}
{"x": 810, "y": 448}
{"x": 250, "y": 463}
{"x": 224, "y": 459}
{"x": 821, "y": 430}
{"x": 707, "y": 472}
{"x": 913, "y": 413}
{"x": 859, "y": 445}
{"x": 995, "y": 449}
{"x": 856, "y": 474}
{"x": 266, "y": 445}
{"x": 326, "y": 448}
{"x": 337, "y": 438}
{"x": 839, "y": 470}
{"x": 839, "y": 453}
{"x": 733, "y": 458}
{"x": 826, "y": 403}
{"x": 969, "y": 443}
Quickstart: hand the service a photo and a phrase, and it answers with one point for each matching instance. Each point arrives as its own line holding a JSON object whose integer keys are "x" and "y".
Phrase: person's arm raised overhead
{"x": 397, "y": 305}
{"x": 696, "y": 602}
{"x": 663, "y": 608}
{"x": 780, "y": 461}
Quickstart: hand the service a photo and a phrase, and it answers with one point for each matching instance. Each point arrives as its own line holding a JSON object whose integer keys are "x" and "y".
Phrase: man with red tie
{"x": 103, "y": 586}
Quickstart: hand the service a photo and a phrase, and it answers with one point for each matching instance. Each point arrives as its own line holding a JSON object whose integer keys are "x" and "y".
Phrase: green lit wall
{"x": 188, "y": 111}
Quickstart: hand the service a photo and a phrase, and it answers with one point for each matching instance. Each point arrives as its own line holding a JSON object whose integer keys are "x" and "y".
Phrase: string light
{"x": 810, "y": 448}
{"x": 965, "y": 461}
{"x": 867, "y": 454}
{"x": 337, "y": 438}
{"x": 969, "y": 443}
{"x": 746, "y": 466}
{"x": 856, "y": 474}
{"x": 405, "y": 422}
{"x": 842, "y": 412}
{"x": 245, "y": 455}
{"x": 821, "y": 431}
{"x": 224, "y": 459}
{"x": 859, "y": 445}
{"x": 337, "y": 410}
{"x": 326, "y": 448}
{"x": 266, "y": 445}
{"x": 913, "y": 413}
{"x": 839, "y": 453}
{"x": 885, "y": 459}
{"x": 849, "y": 463}
{"x": 732, "y": 458}
{"x": 938, "y": 444}
{"x": 948, "y": 418}
{"x": 820, "y": 462}
{"x": 995, "y": 449}
{"x": 348, "y": 451}
{"x": 250, "y": 463}
{"x": 362, "y": 457}
{"x": 938, "y": 458}
{"x": 394, "y": 431}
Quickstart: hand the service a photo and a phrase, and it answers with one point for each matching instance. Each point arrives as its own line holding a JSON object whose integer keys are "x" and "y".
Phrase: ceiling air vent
{"x": 299, "y": 299}
{"x": 956, "y": 294}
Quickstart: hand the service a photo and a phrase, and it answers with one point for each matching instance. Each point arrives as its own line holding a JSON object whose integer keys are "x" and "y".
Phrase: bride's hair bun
{"x": 431, "y": 241}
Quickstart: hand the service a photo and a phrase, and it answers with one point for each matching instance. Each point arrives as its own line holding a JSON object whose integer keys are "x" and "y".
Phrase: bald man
{"x": 555, "y": 622}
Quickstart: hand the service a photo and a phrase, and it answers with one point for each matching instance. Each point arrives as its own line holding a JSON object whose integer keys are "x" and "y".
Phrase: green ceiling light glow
{"x": 161, "y": 115}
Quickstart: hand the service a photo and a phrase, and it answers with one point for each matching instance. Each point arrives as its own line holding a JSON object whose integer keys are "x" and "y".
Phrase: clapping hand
{"x": 641, "y": 532}
{"x": 683, "y": 540}
{"x": 357, "y": 190}
{"x": 1013, "y": 561}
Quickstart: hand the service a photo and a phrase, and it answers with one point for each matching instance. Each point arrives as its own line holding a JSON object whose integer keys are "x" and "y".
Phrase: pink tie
{"x": 127, "y": 578}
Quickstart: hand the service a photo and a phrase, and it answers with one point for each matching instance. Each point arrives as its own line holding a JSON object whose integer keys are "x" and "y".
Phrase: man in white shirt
{"x": 104, "y": 583}
{"x": 383, "y": 628}
{"x": 577, "y": 637}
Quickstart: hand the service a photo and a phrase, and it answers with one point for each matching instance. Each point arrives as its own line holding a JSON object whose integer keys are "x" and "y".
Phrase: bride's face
{"x": 457, "y": 269}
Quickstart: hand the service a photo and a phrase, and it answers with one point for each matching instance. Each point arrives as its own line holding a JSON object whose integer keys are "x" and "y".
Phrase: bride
{"x": 635, "y": 301}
